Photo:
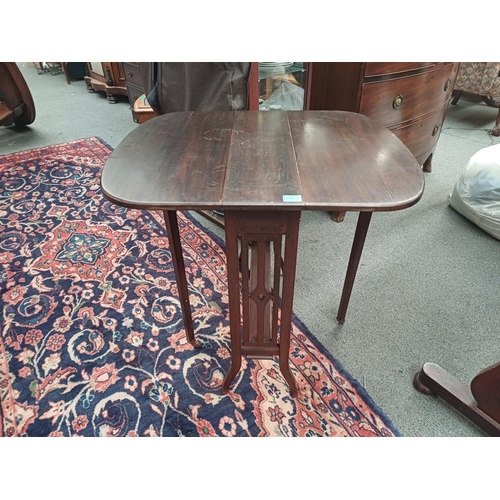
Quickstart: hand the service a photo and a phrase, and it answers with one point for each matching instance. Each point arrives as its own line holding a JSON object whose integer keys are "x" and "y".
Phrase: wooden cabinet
{"x": 134, "y": 84}
{"x": 106, "y": 77}
{"x": 141, "y": 111}
{"x": 410, "y": 99}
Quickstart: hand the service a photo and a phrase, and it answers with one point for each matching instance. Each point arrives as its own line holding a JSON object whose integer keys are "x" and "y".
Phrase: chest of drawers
{"x": 134, "y": 85}
{"x": 410, "y": 99}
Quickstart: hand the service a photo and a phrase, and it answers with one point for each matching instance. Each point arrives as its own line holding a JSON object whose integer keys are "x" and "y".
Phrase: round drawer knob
{"x": 130, "y": 74}
{"x": 396, "y": 104}
{"x": 435, "y": 131}
{"x": 447, "y": 85}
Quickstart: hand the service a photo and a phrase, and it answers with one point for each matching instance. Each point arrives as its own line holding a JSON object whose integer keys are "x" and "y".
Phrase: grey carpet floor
{"x": 427, "y": 289}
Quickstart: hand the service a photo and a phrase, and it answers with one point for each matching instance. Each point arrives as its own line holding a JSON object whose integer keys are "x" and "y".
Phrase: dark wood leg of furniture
{"x": 495, "y": 103}
{"x": 254, "y": 326}
{"x": 496, "y": 128}
{"x": 289, "y": 265}
{"x": 216, "y": 219}
{"x": 66, "y": 74}
{"x": 427, "y": 166}
{"x": 456, "y": 96}
{"x": 352, "y": 268}
{"x": 491, "y": 101}
{"x": 234, "y": 297}
{"x": 485, "y": 387}
{"x": 337, "y": 216}
{"x": 180, "y": 273}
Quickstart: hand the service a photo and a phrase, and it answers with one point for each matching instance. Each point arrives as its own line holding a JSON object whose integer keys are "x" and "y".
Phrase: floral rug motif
{"x": 92, "y": 338}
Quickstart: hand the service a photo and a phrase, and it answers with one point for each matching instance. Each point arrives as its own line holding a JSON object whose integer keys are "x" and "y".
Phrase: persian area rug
{"x": 92, "y": 340}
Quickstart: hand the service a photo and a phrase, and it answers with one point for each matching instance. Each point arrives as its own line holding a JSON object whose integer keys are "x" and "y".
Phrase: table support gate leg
{"x": 357, "y": 248}
{"x": 254, "y": 325}
{"x": 180, "y": 273}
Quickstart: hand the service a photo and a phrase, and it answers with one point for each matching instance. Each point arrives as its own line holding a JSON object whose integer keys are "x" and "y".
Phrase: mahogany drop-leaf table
{"x": 262, "y": 169}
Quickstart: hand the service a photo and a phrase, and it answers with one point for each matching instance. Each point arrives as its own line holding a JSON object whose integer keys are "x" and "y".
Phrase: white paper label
{"x": 292, "y": 198}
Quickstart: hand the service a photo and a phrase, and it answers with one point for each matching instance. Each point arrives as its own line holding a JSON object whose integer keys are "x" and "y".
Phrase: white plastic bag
{"x": 476, "y": 194}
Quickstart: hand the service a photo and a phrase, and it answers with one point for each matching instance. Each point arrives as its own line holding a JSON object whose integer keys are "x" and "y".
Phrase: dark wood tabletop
{"x": 251, "y": 160}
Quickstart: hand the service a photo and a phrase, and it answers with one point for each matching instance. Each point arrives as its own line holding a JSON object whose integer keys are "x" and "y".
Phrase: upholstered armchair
{"x": 483, "y": 79}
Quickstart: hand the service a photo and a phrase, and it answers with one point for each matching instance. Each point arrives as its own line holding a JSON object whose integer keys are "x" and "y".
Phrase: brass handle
{"x": 435, "y": 131}
{"x": 447, "y": 84}
{"x": 396, "y": 104}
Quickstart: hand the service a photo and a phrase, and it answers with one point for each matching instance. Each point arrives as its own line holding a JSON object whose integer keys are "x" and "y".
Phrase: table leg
{"x": 496, "y": 128}
{"x": 233, "y": 296}
{"x": 253, "y": 315}
{"x": 180, "y": 273}
{"x": 337, "y": 216}
{"x": 289, "y": 265}
{"x": 357, "y": 248}
{"x": 66, "y": 73}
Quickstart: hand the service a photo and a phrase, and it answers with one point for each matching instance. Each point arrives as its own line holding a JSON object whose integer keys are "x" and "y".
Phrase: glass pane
{"x": 282, "y": 85}
{"x": 97, "y": 68}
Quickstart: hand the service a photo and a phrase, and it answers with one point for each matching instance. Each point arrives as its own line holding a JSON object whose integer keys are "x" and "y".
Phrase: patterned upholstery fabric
{"x": 479, "y": 78}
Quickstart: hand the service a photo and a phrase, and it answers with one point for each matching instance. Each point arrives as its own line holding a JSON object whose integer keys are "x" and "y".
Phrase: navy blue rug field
{"x": 93, "y": 340}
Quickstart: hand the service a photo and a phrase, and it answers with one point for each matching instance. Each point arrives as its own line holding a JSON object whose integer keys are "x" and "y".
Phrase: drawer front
{"x": 132, "y": 74}
{"x": 421, "y": 136}
{"x": 391, "y": 102}
{"x": 386, "y": 68}
{"x": 134, "y": 93}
